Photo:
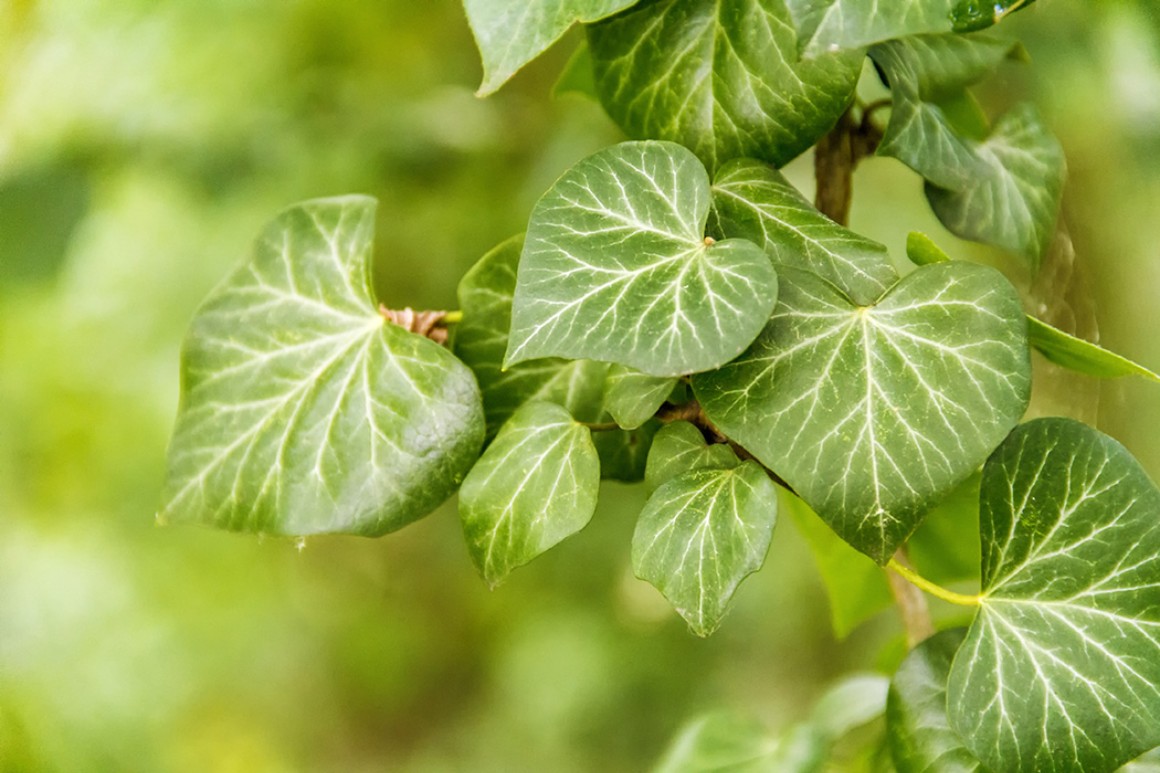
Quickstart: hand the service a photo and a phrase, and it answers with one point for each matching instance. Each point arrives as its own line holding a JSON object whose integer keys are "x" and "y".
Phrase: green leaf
{"x": 535, "y": 485}
{"x": 945, "y": 547}
{"x": 700, "y": 534}
{"x": 680, "y": 447}
{"x": 872, "y": 414}
{"x": 922, "y": 250}
{"x": 633, "y": 397}
{"x": 1060, "y": 670}
{"x": 838, "y": 24}
{"x": 481, "y": 338}
{"x": 721, "y": 77}
{"x": 302, "y": 410}
{"x": 577, "y": 78}
{"x": 511, "y": 34}
{"x": 624, "y": 454}
{"x": 921, "y": 739}
{"x": 616, "y": 269}
{"x": 856, "y": 587}
{"x": 851, "y": 703}
{"x": 726, "y": 741}
{"x": 1149, "y": 763}
{"x": 1003, "y": 190}
{"x": 1080, "y": 355}
{"x": 752, "y": 201}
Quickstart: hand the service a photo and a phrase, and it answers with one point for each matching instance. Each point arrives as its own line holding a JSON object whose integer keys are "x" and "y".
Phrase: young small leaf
{"x": 303, "y": 411}
{"x": 633, "y": 397}
{"x": 700, "y": 534}
{"x": 616, "y": 268}
{"x": 535, "y": 485}
{"x": 922, "y": 250}
{"x": 873, "y": 413}
{"x": 680, "y": 447}
{"x": 720, "y": 77}
{"x": 1080, "y": 355}
{"x": 1061, "y": 668}
{"x": 511, "y": 34}
{"x": 753, "y": 201}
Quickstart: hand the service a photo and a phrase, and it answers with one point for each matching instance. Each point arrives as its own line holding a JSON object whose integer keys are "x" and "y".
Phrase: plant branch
{"x": 836, "y": 156}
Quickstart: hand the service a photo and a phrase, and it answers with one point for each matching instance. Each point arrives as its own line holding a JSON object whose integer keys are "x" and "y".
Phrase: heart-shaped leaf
{"x": 721, "y": 77}
{"x": 616, "y": 268}
{"x": 302, "y": 410}
{"x": 534, "y": 486}
{"x": 753, "y": 201}
{"x": 633, "y": 397}
{"x": 700, "y": 534}
{"x": 481, "y": 338}
{"x": 511, "y": 34}
{"x": 1060, "y": 670}
{"x": 873, "y": 413}
{"x": 680, "y": 447}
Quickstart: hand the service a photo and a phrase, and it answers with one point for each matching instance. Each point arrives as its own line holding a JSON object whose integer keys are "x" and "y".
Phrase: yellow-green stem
{"x": 452, "y": 317}
{"x": 914, "y": 578}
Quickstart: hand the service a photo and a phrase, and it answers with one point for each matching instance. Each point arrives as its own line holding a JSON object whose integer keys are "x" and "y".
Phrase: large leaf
{"x": 680, "y": 447}
{"x": 1004, "y": 189}
{"x": 511, "y": 33}
{"x": 836, "y": 24}
{"x": 302, "y": 410}
{"x": 633, "y": 397}
{"x": 481, "y": 338}
{"x": 700, "y": 534}
{"x": 535, "y": 485}
{"x": 721, "y": 77}
{"x": 753, "y": 201}
{"x": 1060, "y": 670}
{"x": 872, "y": 413}
{"x": 616, "y": 268}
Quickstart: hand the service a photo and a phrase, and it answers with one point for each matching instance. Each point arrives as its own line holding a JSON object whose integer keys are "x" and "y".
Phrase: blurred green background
{"x": 143, "y": 143}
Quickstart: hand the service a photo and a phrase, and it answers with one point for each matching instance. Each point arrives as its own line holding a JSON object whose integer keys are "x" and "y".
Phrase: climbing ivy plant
{"x": 678, "y": 314}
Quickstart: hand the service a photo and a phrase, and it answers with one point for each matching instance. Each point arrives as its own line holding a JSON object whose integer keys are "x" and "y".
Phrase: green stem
{"x": 914, "y": 578}
{"x": 452, "y": 318}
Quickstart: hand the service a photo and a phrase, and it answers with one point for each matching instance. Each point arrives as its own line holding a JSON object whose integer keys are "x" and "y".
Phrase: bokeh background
{"x": 143, "y": 143}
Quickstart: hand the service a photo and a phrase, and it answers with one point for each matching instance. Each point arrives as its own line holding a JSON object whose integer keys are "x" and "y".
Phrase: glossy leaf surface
{"x": 680, "y": 447}
{"x": 535, "y": 485}
{"x": 700, "y": 534}
{"x": 721, "y": 77}
{"x": 1060, "y": 670}
{"x": 302, "y": 410}
{"x": 873, "y": 413}
{"x": 755, "y": 202}
{"x": 511, "y": 34}
{"x": 633, "y": 397}
{"x": 616, "y": 268}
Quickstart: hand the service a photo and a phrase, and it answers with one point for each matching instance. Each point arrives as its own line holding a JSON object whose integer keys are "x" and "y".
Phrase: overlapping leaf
{"x": 1060, "y": 670}
{"x": 534, "y": 486}
{"x": 721, "y": 77}
{"x": 633, "y": 397}
{"x": 755, "y": 202}
{"x": 680, "y": 447}
{"x": 873, "y": 413}
{"x": 303, "y": 411}
{"x": 700, "y": 534}
{"x": 616, "y": 268}
{"x": 1004, "y": 189}
{"x": 512, "y": 33}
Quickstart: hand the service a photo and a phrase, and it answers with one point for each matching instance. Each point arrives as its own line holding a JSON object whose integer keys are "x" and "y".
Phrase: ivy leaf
{"x": 700, "y": 534}
{"x": 1061, "y": 668}
{"x": 511, "y": 34}
{"x": 923, "y": 251}
{"x": 1004, "y": 189}
{"x": 302, "y": 410}
{"x": 1080, "y": 355}
{"x": 534, "y": 486}
{"x": 481, "y": 338}
{"x": 920, "y": 736}
{"x": 680, "y": 447}
{"x": 616, "y": 269}
{"x": 873, "y": 413}
{"x": 753, "y": 201}
{"x": 633, "y": 397}
{"x": 838, "y": 24}
{"x": 722, "y": 78}
{"x": 727, "y": 741}
{"x": 624, "y": 453}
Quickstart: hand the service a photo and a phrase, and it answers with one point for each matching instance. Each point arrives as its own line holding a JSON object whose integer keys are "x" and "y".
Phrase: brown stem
{"x": 911, "y": 604}
{"x": 836, "y": 156}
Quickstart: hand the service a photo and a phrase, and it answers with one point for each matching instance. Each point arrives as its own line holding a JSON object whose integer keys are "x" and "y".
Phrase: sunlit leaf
{"x": 616, "y": 268}
{"x": 721, "y": 77}
{"x": 511, "y": 34}
{"x": 872, "y": 413}
{"x": 1080, "y": 355}
{"x": 680, "y": 447}
{"x": 700, "y": 534}
{"x": 753, "y": 201}
{"x": 534, "y": 486}
{"x": 740, "y": 744}
{"x": 633, "y": 397}
{"x": 303, "y": 411}
{"x": 1060, "y": 670}
{"x": 1004, "y": 189}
